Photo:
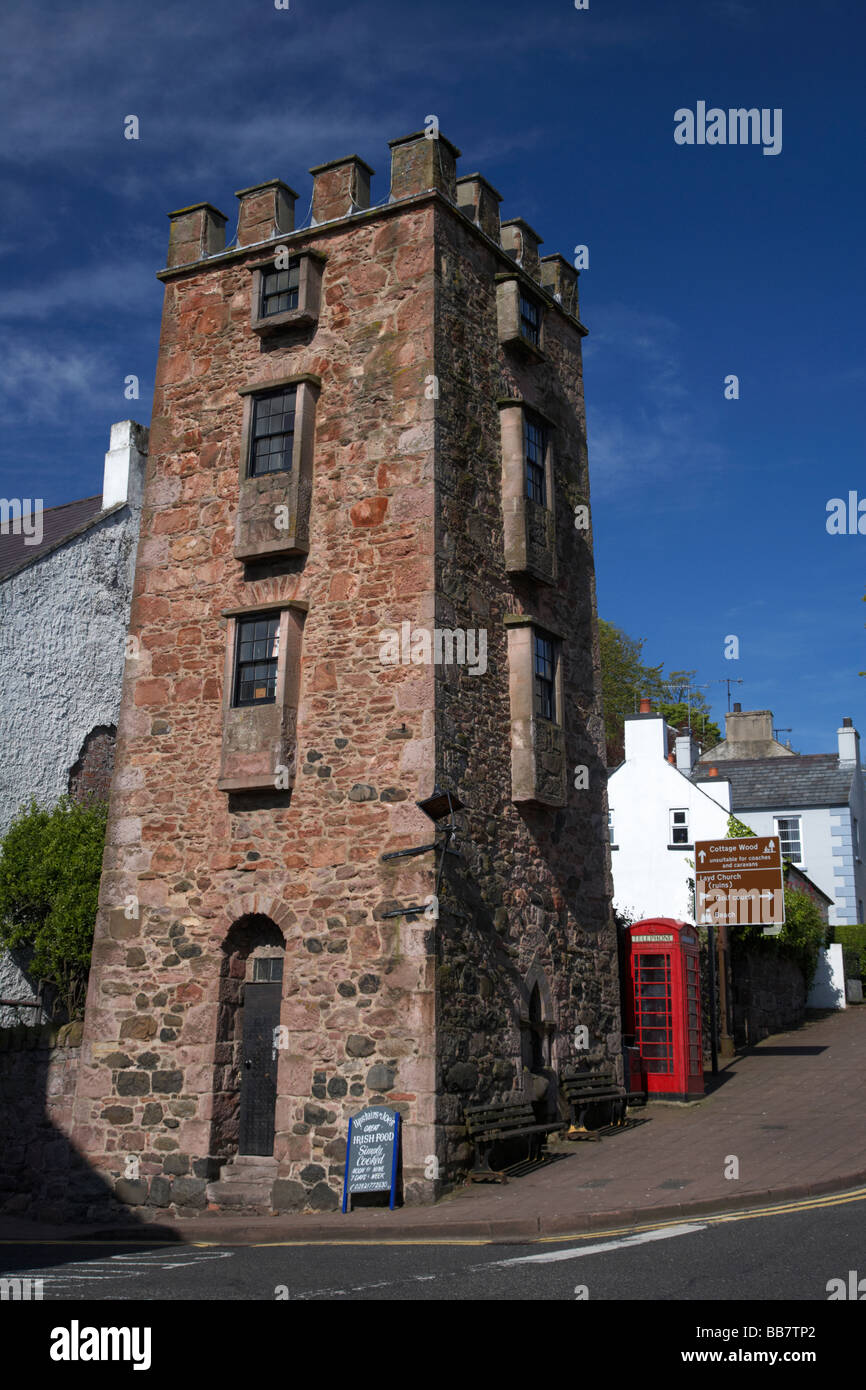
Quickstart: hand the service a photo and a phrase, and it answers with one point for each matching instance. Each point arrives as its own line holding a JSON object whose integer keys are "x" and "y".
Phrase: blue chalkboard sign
{"x": 371, "y": 1153}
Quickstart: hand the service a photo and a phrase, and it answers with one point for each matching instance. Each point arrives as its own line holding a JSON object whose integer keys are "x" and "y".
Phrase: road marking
{"x": 664, "y": 1233}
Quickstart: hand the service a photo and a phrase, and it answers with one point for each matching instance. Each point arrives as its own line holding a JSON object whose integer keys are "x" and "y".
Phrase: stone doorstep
{"x": 246, "y": 1181}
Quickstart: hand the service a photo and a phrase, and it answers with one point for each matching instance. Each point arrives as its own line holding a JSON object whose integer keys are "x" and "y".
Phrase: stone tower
{"x": 364, "y": 581}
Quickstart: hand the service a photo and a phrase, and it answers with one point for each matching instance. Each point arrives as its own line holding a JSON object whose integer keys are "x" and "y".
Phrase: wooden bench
{"x": 488, "y": 1125}
{"x": 583, "y": 1089}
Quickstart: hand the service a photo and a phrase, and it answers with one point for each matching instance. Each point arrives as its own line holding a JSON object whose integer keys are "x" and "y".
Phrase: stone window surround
{"x": 509, "y": 288}
{"x": 288, "y": 680}
{"x": 309, "y": 292}
{"x": 525, "y": 723}
{"x": 514, "y": 499}
{"x": 286, "y": 485}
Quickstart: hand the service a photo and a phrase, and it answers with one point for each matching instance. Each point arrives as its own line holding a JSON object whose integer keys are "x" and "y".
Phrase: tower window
{"x": 273, "y": 432}
{"x": 530, "y": 320}
{"x": 280, "y": 289}
{"x": 258, "y": 649}
{"x": 544, "y": 661}
{"x": 535, "y": 444}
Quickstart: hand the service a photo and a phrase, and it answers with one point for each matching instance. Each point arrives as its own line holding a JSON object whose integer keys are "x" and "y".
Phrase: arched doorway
{"x": 251, "y": 987}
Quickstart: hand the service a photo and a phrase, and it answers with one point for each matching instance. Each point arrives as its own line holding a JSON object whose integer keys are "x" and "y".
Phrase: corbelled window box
{"x": 528, "y": 491}
{"x": 275, "y": 484}
{"x": 286, "y": 292}
{"x": 538, "y": 764}
{"x": 260, "y": 698}
{"x": 519, "y": 315}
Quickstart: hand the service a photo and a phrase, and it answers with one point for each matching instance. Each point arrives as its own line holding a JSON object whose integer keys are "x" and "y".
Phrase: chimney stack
{"x": 480, "y": 201}
{"x": 686, "y": 752}
{"x": 559, "y": 278}
{"x": 419, "y": 163}
{"x": 849, "y": 743}
{"x": 195, "y": 232}
{"x": 340, "y": 188}
{"x": 123, "y": 474}
{"x": 266, "y": 210}
{"x": 522, "y": 243}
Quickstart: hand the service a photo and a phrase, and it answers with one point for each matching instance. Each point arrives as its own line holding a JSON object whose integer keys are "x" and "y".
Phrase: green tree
{"x": 624, "y": 680}
{"x": 50, "y": 863}
{"x": 738, "y": 830}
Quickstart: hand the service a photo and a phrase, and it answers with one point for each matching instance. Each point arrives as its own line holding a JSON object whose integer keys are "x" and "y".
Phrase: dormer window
{"x": 280, "y": 289}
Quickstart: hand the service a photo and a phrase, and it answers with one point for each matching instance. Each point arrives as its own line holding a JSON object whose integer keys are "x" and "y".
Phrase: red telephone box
{"x": 664, "y": 1005}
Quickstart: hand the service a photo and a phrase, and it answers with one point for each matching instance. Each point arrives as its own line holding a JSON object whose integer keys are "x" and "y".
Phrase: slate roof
{"x": 764, "y": 784}
{"x": 59, "y": 524}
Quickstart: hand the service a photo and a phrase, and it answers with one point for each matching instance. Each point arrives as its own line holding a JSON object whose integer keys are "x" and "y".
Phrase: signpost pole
{"x": 346, "y": 1174}
{"x": 726, "y": 1042}
{"x": 394, "y": 1160}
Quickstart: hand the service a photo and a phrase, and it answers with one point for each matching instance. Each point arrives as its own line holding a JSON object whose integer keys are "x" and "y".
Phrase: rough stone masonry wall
{"x": 38, "y": 1073}
{"x": 769, "y": 995}
{"x": 358, "y": 993}
{"x": 533, "y": 883}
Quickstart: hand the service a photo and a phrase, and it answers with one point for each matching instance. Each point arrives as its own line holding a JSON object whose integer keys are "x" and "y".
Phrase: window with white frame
{"x": 679, "y": 828}
{"x": 855, "y": 836}
{"x": 790, "y": 838}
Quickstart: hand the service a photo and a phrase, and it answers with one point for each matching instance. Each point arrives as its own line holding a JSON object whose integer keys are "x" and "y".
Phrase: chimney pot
{"x": 714, "y": 772}
{"x": 738, "y": 708}
{"x": 340, "y": 187}
{"x": 847, "y": 723}
{"x": 645, "y": 705}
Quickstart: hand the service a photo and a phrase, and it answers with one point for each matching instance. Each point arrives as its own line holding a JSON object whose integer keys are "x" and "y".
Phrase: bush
{"x": 804, "y": 934}
{"x": 853, "y": 938}
{"x": 50, "y": 863}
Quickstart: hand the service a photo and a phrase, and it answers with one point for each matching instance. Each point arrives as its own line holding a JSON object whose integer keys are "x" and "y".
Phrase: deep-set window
{"x": 544, "y": 662}
{"x": 267, "y": 969}
{"x": 273, "y": 432}
{"x": 530, "y": 320}
{"x": 610, "y": 828}
{"x": 280, "y": 289}
{"x": 534, "y": 445}
{"x": 790, "y": 839}
{"x": 679, "y": 828}
{"x": 258, "y": 649}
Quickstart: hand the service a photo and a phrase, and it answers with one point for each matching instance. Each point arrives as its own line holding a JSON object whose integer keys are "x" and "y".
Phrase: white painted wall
{"x": 827, "y": 855}
{"x": 63, "y": 624}
{"x": 828, "y": 983}
{"x": 651, "y": 880}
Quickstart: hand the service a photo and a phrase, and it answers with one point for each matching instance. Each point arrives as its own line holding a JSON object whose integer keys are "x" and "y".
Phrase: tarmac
{"x": 782, "y": 1120}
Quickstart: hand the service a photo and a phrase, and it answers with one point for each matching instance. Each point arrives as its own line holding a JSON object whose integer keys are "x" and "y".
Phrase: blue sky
{"x": 709, "y": 514}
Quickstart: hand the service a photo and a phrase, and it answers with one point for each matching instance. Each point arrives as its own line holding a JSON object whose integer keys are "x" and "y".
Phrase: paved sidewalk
{"x": 791, "y": 1110}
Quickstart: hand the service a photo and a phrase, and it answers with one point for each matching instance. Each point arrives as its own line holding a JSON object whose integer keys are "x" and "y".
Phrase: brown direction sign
{"x": 740, "y": 881}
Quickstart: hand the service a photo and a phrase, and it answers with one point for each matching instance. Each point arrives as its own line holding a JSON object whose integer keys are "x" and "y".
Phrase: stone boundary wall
{"x": 38, "y": 1075}
{"x": 769, "y": 995}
